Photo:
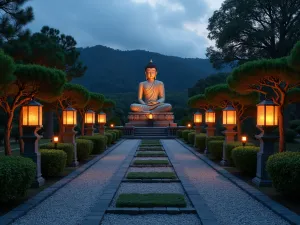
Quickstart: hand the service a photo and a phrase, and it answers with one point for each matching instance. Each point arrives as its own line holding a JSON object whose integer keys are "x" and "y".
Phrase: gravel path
{"x": 230, "y": 204}
{"x": 71, "y": 203}
{"x": 154, "y": 219}
{"x": 144, "y": 188}
{"x": 150, "y": 169}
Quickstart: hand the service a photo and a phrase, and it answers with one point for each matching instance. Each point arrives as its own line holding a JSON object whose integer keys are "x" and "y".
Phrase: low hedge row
{"x": 16, "y": 176}
{"x": 230, "y": 146}
{"x": 109, "y": 137}
{"x": 284, "y": 170}
{"x": 179, "y": 133}
{"x": 84, "y": 149}
{"x": 216, "y": 149}
{"x": 200, "y": 142}
{"x": 191, "y": 138}
{"x": 66, "y": 147}
{"x": 245, "y": 159}
{"x": 53, "y": 162}
{"x": 99, "y": 141}
{"x": 185, "y": 134}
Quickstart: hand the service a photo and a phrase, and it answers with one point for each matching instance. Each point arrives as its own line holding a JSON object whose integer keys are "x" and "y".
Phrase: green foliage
{"x": 200, "y": 142}
{"x": 151, "y": 200}
{"x": 185, "y": 134}
{"x": 114, "y": 136}
{"x": 292, "y": 96}
{"x": 151, "y": 175}
{"x": 151, "y": 162}
{"x": 289, "y": 134}
{"x": 245, "y": 159}
{"x": 96, "y": 101}
{"x": 284, "y": 170}
{"x": 179, "y": 133}
{"x": 7, "y": 68}
{"x": 109, "y": 136}
{"x": 214, "y": 138}
{"x": 198, "y": 102}
{"x": 66, "y": 147}
{"x": 16, "y": 176}
{"x": 216, "y": 149}
{"x": 294, "y": 124}
{"x": 230, "y": 146}
{"x": 294, "y": 58}
{"x": 99, "y": 141}
{"x": 53, "y": 162}
{"x": 108, "y": 104}
{"x": 151, "y": 154}
{"x": 115, "y": 120}
{"x": 191, "y": 138}
{"x": 84, "y": 149}
{"x": 76, "y": 95}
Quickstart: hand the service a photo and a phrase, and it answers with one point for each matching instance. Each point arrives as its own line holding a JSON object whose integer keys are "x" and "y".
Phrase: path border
{"x": 275, "y": 207}
{"x": 24, "y": 208}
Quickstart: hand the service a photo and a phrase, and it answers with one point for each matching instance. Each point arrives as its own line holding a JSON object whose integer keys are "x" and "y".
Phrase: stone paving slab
{"x": 61, "y": 204}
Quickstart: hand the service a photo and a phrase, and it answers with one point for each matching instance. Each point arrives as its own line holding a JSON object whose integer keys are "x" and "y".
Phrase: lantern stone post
{"x": 69, "y": 123}
{"x": 210, "y": 118}
{"x": 229, "y": 121}
{"x": 101, "y": 122}
{"x": 89, "y": 122}
{"x": 32, "y": 122}
{"x": 267, "y": 121}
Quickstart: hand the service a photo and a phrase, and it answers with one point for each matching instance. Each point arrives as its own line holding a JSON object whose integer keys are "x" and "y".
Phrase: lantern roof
{"x": 229, "y": 108}
{"x": 210, "y": 111}
{"x": 69, "y": 108}
{"x": 197, "y": 113}
{"x": 267, "y": 102}
{"x": 102, "y": 113}
{"x": 90, "y": 111}
{"x": 33, "y": 103}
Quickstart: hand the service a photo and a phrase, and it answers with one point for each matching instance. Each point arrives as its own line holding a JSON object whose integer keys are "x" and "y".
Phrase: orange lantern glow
{"x": 102, "y": 118}
{"x": 89, "y": 117}
{"x": 55, "y": 139}
{"x": 150, "y": 116}
{"x": 112, "y": 125}
{"x": 69, "y": 116}
{"x": 189, "y": 125}
{"x": 210, "y": 116}
{"x": 229, "y": 116}
{"x": 244, "y": 140}
{"x": 197, "y": 117}
{"x": 32, "y": 114}
{"x": 267, "y": 113}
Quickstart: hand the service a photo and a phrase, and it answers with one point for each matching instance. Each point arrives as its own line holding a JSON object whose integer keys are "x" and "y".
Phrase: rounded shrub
{"x": 191, "y": 138}
{"x": 293, "y": 124}
{"x": 114, "y": 136}
{"x": 200, "y": 142}
{"x": 109, "y": 137}
{"x": 99, "y": 141}
{"x": 245, "y": 159}
{"x": 66, "y": 147}
{"x": 16, "y": 176}
{"x": 216, "y": 149}
{"x": 231, "y": 146}
{"x": 284, "y": 170}
{"x": 185, "y": 134}
{"x": 214, "y": 138}
{"x": 179, "y": 133}
{"x": 117, "y": 133}
{"x": 84, "y": 149}
{"x": 53, "y": 162}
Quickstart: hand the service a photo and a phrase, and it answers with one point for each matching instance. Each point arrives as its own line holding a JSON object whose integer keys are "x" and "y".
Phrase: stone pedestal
{"x": 31, "y": 150}
{"x": 229, "y": 137}
{"x": 101, "y": 128}
{"x": 89, "y": 129}
{"x": 210, "y": 131}
{"x": 160, "y": 119}
{"x": 267, "y": 139}
{"x": 69, "y": 137}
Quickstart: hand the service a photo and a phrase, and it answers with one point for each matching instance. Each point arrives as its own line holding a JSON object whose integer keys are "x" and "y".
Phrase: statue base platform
{"x": 160, "y": 119}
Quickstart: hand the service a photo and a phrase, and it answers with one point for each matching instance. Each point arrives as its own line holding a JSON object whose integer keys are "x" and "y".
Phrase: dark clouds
{"x": 170, "y": 27}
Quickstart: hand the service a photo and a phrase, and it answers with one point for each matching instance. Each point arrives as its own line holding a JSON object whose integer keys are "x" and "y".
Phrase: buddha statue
{"x": 153, "y": 92}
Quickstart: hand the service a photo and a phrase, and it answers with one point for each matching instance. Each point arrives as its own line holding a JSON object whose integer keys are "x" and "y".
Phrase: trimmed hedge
{"x": 53, "y": 162}
{"x": 16, "y": 176}
{"x": 109, "y": 137}
{"x": 66, "y": 147}
{"x": 179, "y": 133}
{"x": 289, "y": 134}
{"x": 232, "y": 145}
{"x": 185, "y": 134}
{"x": 284, "y": 170}
{"x": 191, "y": 138}
{"x": 84, "y": 149}
{"x": 200, "y": 142}
{"x": 245, "y": 159}
{"x": 117, "y": 133}
{"x": 114, "y": 136}
{"x": 216, "y": 149}
{"x": 99, "y": 141}
{"x": 214, "y": 138}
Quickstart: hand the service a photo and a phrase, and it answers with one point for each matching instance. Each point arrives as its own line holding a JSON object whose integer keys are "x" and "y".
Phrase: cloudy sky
{"x": 169, "y": 27}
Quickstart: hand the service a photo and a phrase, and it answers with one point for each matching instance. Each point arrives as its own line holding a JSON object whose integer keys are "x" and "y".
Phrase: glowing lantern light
{"x": 197, "y": 117}
{"x": 89, "y": 117}
{"x": 210, "y": 116}
{"x": 32, "y": 114}
{"x": 69, "y": 116}
{"x": 229, "y": 116}
{"x": 267, "y": 113}
{"x": 102, "y": 118}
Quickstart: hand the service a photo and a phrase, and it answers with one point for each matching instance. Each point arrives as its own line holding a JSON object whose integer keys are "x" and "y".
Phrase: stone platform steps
{"x": 156, "y": 132}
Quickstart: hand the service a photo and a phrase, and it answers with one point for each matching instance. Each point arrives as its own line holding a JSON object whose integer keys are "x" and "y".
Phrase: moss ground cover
{"x": 151, "y": 175}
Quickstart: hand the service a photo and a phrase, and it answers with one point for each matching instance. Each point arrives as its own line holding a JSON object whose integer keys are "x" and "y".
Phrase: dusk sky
{"x": 169, "y": 27}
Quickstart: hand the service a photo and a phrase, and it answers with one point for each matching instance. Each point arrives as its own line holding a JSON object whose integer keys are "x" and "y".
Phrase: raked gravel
{"x": 229, "y": 204}
{"x": 70, "y": 204}
{"x": 148, "y": 219}
{"x": 150, "y": 169}
{"x": 145, "y": 188}
{"x": 150, "y": 158}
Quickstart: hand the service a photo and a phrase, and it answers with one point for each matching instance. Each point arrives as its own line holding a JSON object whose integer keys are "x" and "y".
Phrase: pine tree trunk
{"x": 239, "y": 129}
{"x": 8, "y": 127}
{"x": 21, "y": 143}
{"x": 49, "y": 124}
{"x": 82, "y": 126}
{"x": 281, "y": 129}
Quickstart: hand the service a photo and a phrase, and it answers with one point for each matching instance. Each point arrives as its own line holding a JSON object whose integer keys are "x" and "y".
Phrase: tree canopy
{"x": 96, "y": 101}
{"x": 247, "y": 30}
{"x": 294, "y": 57}
{"x": 198, "y": 102}
{"x": 7, "y": 68}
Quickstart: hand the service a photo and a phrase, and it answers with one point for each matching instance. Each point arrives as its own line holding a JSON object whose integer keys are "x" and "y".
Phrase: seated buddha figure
{"x": 153, "y": 92}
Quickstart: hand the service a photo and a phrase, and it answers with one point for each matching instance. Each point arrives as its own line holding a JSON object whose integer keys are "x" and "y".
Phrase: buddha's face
{"x": 150, "y": 74}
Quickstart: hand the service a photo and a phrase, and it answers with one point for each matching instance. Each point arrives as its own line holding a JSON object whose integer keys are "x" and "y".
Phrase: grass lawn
{"x": 151, "y": 175}
{"x": 151, "y": 162}
{"x": 150, "y": 200}
{"x": 151, "y": 153}
{"x": 6, "y": 207}
{"x": 151, "y": 148}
